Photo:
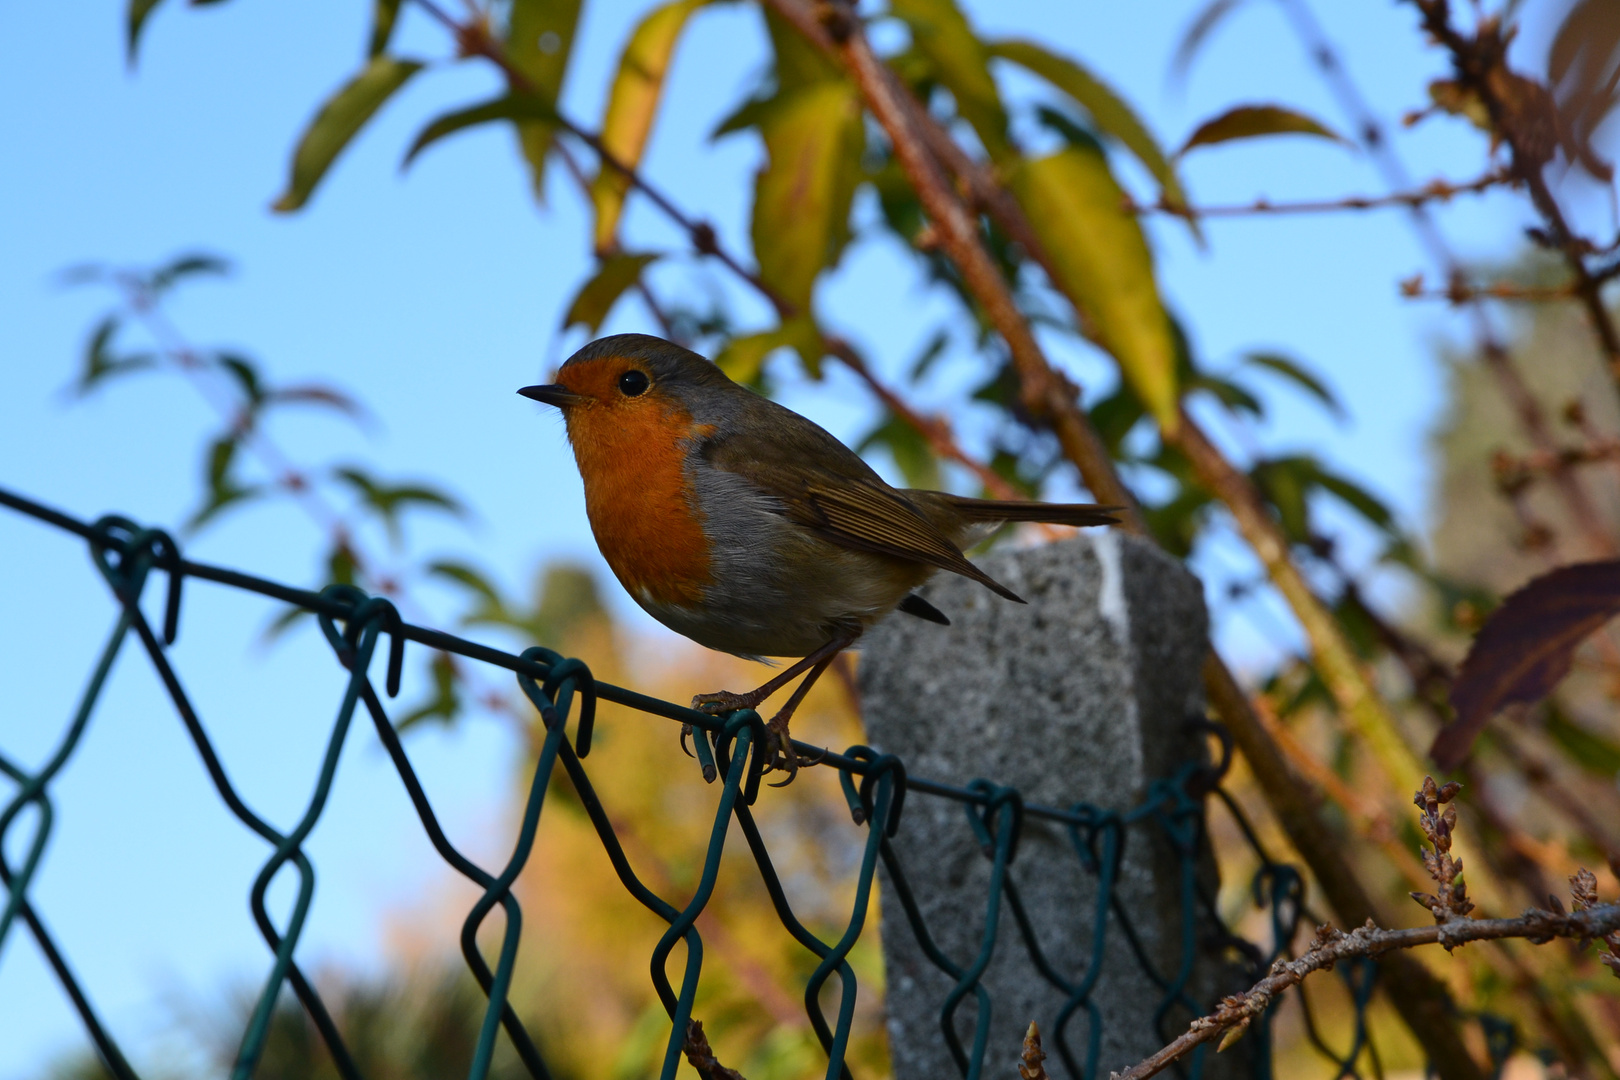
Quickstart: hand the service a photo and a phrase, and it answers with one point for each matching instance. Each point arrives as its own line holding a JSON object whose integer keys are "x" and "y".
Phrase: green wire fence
{"x": 875, "y": 785}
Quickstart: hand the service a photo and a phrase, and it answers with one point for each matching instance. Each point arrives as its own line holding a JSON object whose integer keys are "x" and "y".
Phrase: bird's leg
{"x": 781, "y": 748}
{"x": 782, "y": 753}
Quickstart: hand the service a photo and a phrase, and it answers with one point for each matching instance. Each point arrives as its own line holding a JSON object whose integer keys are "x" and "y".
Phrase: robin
{"x": 749, "y": 529}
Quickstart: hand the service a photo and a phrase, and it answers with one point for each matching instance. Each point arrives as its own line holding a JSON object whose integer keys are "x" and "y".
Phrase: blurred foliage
{"x": 1540, "y": 791}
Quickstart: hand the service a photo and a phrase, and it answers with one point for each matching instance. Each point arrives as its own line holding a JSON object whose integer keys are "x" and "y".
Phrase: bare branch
{"x": 1460, "y": 292}
{"x": 1524, "y": 116}
{"x": 1434, "y": 191}
{"x": 702, "y": 1058}
{"x": 1590, "y": 920}
{"x": 1331, "y": 946}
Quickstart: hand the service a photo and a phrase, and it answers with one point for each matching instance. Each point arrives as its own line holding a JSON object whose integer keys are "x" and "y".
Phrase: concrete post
{"x": 1083, "y": 695}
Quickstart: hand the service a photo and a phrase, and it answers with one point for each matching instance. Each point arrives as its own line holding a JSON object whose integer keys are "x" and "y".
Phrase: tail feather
{"x": 1049, "y": 513}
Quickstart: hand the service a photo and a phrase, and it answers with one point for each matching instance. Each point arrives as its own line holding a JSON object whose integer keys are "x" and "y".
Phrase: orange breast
{"x": 640, "y": 500}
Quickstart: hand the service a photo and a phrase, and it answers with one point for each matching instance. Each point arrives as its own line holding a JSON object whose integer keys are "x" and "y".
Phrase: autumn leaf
{"x": 802, "y": 197}
{"x": 337, "y": 123}
{"x": 1525, "y": 648}
{"x": 1103, "y": 266}
{"x": 632, "y": 102}
{"x": 1257, "y": 121}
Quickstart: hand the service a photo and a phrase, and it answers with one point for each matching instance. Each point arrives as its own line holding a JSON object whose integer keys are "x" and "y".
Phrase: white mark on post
{"x": 1111, "y": 595}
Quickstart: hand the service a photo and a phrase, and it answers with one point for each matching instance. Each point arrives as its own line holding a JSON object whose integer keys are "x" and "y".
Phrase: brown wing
{"x": 840, "y": 497}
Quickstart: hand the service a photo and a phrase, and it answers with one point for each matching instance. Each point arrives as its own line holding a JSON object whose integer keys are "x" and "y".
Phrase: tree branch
{"x": 1330, "y": 946}
{"x": 1524, "y": 116}
{"x": 1434, "y": 191}
{"x": 1453, "y": 928}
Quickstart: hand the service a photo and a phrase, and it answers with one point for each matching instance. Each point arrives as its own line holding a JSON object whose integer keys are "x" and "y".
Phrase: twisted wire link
{"x": 875, "y": 787}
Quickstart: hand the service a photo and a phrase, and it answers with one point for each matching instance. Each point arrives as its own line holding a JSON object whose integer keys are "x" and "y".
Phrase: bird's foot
{"x": 724, "y": 701}
{"x": 781, "y": 755}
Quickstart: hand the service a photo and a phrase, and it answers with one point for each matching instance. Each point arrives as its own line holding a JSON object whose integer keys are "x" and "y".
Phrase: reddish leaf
{"x": 1526, "y": 647}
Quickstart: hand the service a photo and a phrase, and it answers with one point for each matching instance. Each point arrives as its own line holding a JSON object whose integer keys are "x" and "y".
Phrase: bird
{"x": 750, "y": 529}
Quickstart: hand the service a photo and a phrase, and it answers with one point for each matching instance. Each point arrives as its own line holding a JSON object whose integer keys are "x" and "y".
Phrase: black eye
{"x": 633, "y": 383}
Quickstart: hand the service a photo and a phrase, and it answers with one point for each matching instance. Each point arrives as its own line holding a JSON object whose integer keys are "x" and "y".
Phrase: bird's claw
{"x": 782, "y": 756}
{"x": 721, "y": 702}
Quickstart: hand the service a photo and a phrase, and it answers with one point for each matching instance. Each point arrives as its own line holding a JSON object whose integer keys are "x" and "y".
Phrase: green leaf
{"x": 1358, "y": 498}
{"x": 246, "y": 375}
{"x": 930, "y": 353}
{"x": 940, "y": 32}
{"x": 596, "y": 297}
{"x": 316, "y": 394}
{"x": 1285, "y": 482}
{"x": 185, "y": 266}
{"x": 1107, "y": 109}
{"x": 341, "y": 564}
{"x": 282, "y": 623}
{"x": 384, "y": 13}
{"x": 632, "y": 104}
{"x": 443, "y": 702}
{"x": 338, "y": 121}
{"x": 910, "y": 450}
{"x": 743, "y": 358}
{"x": 389, "y": 501}
{"x": 519, "y": 108}
{"x": 798, "y": 63}
{"x": 134, "y": 22}
{"x": 1104, "y": 267}
{"x": 1233, "y": 395}
{"x": 539, "y": 42}
{"x": 1115, "y": 416}
{"x": 100, "y": 363}
{"x": 1255, "y": 121}
{"x": 1289, "y": 482}
{"x": 488, "y": 606}
{"x": 1295, "y": 373}
{"x": 814, "y": 139}
{"x": 223, "y": 490}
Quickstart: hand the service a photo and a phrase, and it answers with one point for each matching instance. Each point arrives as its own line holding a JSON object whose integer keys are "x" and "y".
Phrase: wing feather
{"x": 841, "y": 498}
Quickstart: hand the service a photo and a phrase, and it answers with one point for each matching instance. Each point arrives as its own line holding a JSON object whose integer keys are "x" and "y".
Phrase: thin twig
{"x": 1331, "y": 946}
{"x": 1453, "y": 928}
{"x": 1434, "y": 191}
{"x": 1499, "y": 360}
{"x": 1524, "y": 116}
{"x": 702, "y": 1058}
{"x": 1460, "y": 292}
{"x": 1031, "y": 1056}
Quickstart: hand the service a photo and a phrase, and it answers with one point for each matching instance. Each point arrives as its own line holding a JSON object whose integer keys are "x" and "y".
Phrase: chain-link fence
{"x": 876, "y": 787}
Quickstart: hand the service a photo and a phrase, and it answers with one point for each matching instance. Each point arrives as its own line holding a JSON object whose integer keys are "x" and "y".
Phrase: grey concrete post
{"x": 1083, "y": 695}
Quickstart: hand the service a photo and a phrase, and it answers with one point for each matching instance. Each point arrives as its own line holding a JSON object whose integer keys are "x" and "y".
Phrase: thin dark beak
{"x": 553, "y": 394}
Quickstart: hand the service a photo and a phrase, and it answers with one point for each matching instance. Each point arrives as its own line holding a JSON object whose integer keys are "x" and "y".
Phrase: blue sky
{"x": 432, "y": 295}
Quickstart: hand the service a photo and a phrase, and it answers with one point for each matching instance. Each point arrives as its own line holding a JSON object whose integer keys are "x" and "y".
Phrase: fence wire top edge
{"x": 473, "y": 650}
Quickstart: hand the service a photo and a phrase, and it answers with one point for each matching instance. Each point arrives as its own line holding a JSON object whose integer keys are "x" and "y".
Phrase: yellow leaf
{"x": 632, "y": 102}
{"x": 1103, "y": 266}
{"x": 959, "y": 59}
{"x": 1255, "y": 121}
{"x": 1108, "y": 110}
{"x": 813, "y": 139}
{"x": 338, "y": 121}
{"x": 539, "y": 41}
{"x": 597, "y": 296}
{"x": 743, "y": 358}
